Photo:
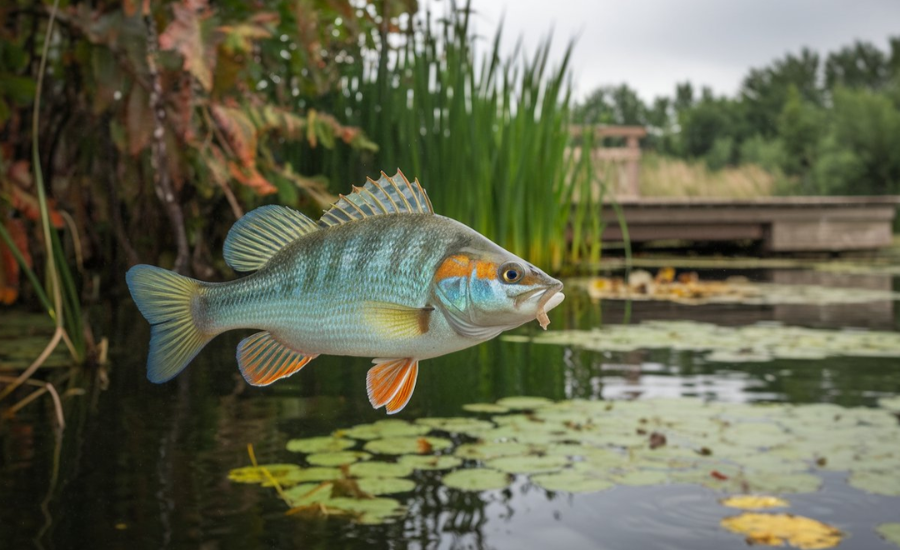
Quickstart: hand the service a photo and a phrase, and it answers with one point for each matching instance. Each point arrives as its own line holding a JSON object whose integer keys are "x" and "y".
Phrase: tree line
{"x": 825, "y": 124}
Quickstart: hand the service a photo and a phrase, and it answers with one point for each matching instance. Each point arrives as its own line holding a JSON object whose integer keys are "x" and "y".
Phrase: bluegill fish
{"x": 379, "y": 275}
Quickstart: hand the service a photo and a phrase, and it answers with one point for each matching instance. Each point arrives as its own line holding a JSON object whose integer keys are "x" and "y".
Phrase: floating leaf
{"x": 778, "y": 529}
{"x": 385, "y": 428}
{"x": 407, "y": 445}
{"x": 572, "y": 481}
{"x": 524, "y": 402}
{"x": 325, "y": 444}
{"x": 379, "y": 469}
{"x": 254, "y": 474}
{"x": 386, "y": 485}
{"x": 429, "y": 462}
{"x": 308, "y": 493}
{"x": 484, "y": 451}
{"x": 528, "y": 464}
{"x": 476, "y": 479}
{"x": 754, "y": 502}
{"x": 890, "y": 403}
{"x": 338, "y": 458}
{"x": 881, "y": 483}
{"x": 370, "y": 511}
{"x": 470, "y": 426}
{"x": 488, "y": 408}
{"x": 640, "y": 478}
{"x": 303, "y": 475}
{"x": 890, "y": 532}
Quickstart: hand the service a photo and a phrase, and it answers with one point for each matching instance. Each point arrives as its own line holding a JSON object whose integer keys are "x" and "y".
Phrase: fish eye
{"x": 511, "y": 272}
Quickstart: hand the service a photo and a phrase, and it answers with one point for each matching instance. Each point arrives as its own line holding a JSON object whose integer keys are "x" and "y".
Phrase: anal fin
{"x": 390, "y": 383}
{"x": 263, "y": 360}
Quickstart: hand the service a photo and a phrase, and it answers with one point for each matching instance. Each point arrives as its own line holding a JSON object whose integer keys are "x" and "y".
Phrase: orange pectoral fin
{"x": 390, "y": 383}
{"x": 263, "y": 360}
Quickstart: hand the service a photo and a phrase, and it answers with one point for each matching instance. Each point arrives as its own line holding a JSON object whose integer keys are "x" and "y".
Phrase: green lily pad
{"x": 326, "y": 444}
{"x": 308, "y": 493}
{"x": 524, "y": 403}
{"x": 571, "y": 481}
{"x": 371, "y": 511}
{"x": 890, "y": 532}
{"x": 484, "y": 451}
{"x": 337, "y": 459}
{"x": 407, "y": 445}
{"x": 390, "y": 427}
{"x": 476, "y": 479}
{"x": 386, "y": 485}
{"x": 777, "y": 483}
{"x": 487, "y": 408}
{"x": 253, "y": 474}
{"x": 891, "y": 404}
{"x": 379, "y": 469}
{"x": 419, "y": 462}
{"x": 528, "y": 464}
{"x": 457, "y": 424}
{"x": 639, "y": 478}
{"x": 303, "y": 475}
{"x": 881, "y": 483}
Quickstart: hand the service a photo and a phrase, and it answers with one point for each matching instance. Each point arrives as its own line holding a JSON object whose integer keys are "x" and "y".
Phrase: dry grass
{"x": 671, "y": 177}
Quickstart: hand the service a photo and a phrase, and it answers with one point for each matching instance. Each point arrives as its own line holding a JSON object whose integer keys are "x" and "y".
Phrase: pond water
{"x": 146, "y": 466}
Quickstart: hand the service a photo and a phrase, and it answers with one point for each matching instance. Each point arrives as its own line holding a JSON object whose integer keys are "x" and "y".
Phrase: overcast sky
{"x": 652, "y": 44}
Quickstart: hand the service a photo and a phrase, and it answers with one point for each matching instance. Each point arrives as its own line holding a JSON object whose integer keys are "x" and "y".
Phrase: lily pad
{"x": 571, "y": 481}
{"x": 418, "y": 462}
{"x": 302, "y": 475}
{"x": 639, "y": 478}
{"x": 386, "y": 485}
{"x": 390, "y": 427}
{"x": 337, "y": 459}
{"x": 528, "y": 464}
{"x": 326, "y": 444}
{"x": 492, "y": 449}
{"x": 487, "y": 408}
{"x": 379, "y": 469}
{"x": 881, "y": 483}
{"x": 778, "y": 529}
{"x": 254, "y": 474}
{"x": 890, "y": 532}
{"x": 754, "y": 502}
{"x": 308, "y": 493}
{"x": 407, "y": 445}
{"x": 371, "y": 511}
{"x": 457, "y": 424}
{"x": 890, "y": 403}
{"x": 476, "y": 479}
{"x": 524, "y": 403}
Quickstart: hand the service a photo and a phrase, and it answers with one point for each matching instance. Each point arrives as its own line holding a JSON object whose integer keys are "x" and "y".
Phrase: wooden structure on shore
{"x": 781, "y": 224}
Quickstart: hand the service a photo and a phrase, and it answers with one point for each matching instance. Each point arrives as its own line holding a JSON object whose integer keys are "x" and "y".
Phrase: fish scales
{"x": 312, "y": 291}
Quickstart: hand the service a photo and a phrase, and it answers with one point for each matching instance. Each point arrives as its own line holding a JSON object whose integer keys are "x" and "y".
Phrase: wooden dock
{"x": 781, "y": 224}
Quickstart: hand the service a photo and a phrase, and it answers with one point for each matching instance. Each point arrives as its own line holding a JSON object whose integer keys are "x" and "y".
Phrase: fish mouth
{"x": 547, "y": 297}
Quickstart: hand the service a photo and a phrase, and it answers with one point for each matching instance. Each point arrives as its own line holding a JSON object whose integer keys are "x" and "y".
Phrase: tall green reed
{"x": 487, "y": 135}
{"x": 58, "y": 294}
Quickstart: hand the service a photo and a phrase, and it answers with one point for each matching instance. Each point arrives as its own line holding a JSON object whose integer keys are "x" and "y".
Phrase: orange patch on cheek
{"x": 454, "y": 266}
{"x": 486, "y": 270}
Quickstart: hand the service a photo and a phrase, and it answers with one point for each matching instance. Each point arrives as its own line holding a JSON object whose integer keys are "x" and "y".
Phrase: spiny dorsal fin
{"x": 388, "y": 195}
{"x": 256, "y": 237}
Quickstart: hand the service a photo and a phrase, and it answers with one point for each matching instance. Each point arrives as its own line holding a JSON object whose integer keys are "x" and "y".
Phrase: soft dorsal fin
{"x": 388, "y": 195}
{"x": 256, "y": 237}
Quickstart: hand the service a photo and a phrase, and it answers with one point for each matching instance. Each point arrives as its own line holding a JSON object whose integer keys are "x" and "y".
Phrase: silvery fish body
{"x": 380, "y": 275}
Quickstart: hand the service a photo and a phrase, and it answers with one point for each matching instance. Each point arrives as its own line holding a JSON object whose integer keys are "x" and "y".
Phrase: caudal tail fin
{"x": 168, "y": 301}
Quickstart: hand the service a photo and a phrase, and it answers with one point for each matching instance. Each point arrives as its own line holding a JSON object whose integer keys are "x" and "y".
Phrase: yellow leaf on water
{"x": 778, "y": 529}
{"x": 754, "y": 502}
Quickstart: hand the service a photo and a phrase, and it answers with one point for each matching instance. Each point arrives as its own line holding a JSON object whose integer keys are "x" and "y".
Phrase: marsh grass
{"x": 487, "y": 135}
{"x": 58, "y": 294}
{"x": 670, "y": 177}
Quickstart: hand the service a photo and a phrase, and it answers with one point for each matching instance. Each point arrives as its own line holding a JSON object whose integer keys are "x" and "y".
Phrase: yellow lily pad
{"x": 254, "y": 474}
{"x": 754, "y": 502}
{"x": 780, "y": 529}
